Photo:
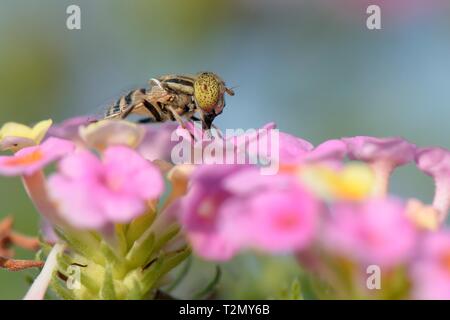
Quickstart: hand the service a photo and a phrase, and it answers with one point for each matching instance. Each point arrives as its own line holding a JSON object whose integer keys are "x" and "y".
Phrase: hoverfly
{"x": 172, "y": 97}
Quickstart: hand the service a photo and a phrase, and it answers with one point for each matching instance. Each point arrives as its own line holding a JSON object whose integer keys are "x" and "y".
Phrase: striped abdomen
{"x": 133, "y": 98}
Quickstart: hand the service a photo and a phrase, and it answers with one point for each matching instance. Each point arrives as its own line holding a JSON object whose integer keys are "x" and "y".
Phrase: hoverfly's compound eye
{"x": 207, "y": 91}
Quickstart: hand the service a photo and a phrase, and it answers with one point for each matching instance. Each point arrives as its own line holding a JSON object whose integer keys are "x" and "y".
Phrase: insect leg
{"x": 175, "y": 115}
{"x": 212, "y": 125}
{"x": 207, "y": 120}
{"x": 127, "y": 112}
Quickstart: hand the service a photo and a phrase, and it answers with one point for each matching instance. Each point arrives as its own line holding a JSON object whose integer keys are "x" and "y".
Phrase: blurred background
{"x": 313, "y": 67}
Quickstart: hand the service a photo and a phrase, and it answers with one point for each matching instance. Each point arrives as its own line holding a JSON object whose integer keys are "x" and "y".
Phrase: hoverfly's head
{"x": 209, "y": 92}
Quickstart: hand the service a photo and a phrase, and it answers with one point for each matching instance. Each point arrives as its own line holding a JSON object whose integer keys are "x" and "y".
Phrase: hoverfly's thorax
{"x": 179, "y": 84}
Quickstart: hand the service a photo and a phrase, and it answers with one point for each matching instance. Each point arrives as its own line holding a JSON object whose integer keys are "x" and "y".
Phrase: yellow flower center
{"x": 352, "y": 182}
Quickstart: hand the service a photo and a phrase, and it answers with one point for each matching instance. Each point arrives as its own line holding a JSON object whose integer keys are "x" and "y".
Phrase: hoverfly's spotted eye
{"x": 207, "y": 91}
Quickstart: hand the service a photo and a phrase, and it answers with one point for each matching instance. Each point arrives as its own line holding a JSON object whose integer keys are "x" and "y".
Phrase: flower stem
{"x": 441, "y": 199}
{"x": 382, "y": 172}
{"x": 19, "y": 265}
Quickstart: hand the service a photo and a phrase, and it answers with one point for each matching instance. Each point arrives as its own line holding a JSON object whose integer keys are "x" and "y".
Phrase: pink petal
{"x": 331, "y": 151}
{"x": 29, "y": 160}
{"x": 82, "y": 165}
{"x": 396, "y": 151}
{"x": 78, "y": 204}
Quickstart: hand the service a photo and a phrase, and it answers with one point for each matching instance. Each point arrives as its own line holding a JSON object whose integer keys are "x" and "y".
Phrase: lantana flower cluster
{"x": 117, "y": 208}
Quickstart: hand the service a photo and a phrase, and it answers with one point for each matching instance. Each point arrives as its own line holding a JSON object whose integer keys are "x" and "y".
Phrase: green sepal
{"x": 152, "y": 274}
{"x": 171, "y": 232}
{"x": 83, "y": 243}
{"x": 295, "y": 290}
{"x": 60, "y": 289}
{"x": 170, "y": 261}
{"x": 117, "y": 269}
{"x": 107, "y": 291}
{"x": 135, "y": 293}
{"x": 121, "y": 231}
{"x": 173, "y": 259}
{"x": 92, "y": 284}
{"x": 116, "y": 262}
{"x": 141, "y": 250}
{"x": 139, "y": 225}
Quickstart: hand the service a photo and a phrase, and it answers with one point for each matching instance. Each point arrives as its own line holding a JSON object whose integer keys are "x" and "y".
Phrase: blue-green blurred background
{"x": 311, "y": 66}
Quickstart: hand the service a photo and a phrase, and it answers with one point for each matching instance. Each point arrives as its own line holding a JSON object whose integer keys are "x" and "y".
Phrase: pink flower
{"x": 200, "y": 211}
{"x": 205, "y": 196}
{"x": 69, "y": 129}
{"x": 435, "y": 162}
{"x": 276, "y": 221}
{"x": 232, "y": 207}
{"x": 28, "y": 163}
{"x": 374, "y": 232}
{"x": 13, "y": 143}
{"x": 431, "y": 271}
{"x": 290, "y": 148}
{"x": 91, "y": 193}
{"x": 249, "y": 181}
{"x": 157, "y": 143}
{"x": 213, "y": 246}
{"x": 32, "y": 159}
{"x": 264, "y": 146}
{"x": 395, "y": 151}
{"x": 383, "y": 155}
{"x": 330, "y": 152}
{"x": 200, "y": 146}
